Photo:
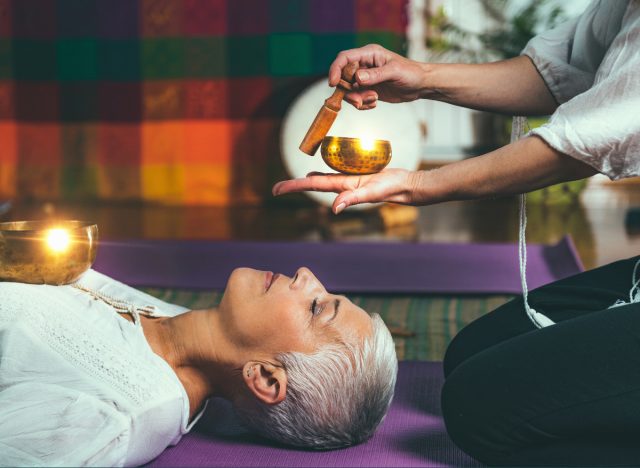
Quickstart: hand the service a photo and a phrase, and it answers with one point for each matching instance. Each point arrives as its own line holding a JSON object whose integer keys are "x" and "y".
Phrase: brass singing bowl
{"x": 32, "y": 252}
{"x": 349, "y": 156}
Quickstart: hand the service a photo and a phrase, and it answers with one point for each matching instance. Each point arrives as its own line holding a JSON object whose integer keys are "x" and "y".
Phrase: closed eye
{"x": 317, "y": 307}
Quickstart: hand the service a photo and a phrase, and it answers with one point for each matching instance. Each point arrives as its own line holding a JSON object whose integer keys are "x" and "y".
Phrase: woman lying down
{"x": 98, "y": 373}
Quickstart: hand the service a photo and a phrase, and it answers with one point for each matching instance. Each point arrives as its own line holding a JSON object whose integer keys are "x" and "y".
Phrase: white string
{"x": 634, "y": 293}
{"x": 120, "y": 306}
{"x": 538, "y": 319}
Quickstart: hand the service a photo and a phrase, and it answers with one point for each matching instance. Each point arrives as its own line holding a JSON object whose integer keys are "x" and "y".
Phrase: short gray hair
{"x": 335, "y": 397}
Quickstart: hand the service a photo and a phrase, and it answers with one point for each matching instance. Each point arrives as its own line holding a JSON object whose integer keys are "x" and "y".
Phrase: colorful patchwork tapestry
{"x": 422, "y": 325}
{"x": 172, "y": 101}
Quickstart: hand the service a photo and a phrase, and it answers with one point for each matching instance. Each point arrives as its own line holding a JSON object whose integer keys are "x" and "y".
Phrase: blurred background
{"x": 170, "y": 119}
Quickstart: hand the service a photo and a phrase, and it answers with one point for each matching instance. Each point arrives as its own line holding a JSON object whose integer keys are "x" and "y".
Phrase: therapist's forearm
{"x": 525, "y": 165}
{"x": 512, "y": 87}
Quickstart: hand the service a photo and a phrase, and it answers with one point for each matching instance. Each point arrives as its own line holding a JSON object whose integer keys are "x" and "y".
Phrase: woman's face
{"x": 268, "y": 313}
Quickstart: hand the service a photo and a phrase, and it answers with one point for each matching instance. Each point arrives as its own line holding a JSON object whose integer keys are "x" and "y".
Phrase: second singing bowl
{"x": 46, "y": 252}
{"x": 355, "y": 156}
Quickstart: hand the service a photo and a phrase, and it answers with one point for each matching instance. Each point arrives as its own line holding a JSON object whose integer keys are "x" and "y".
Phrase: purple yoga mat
{"x": 413, "y": 434}
{"x": 342, "y": 267}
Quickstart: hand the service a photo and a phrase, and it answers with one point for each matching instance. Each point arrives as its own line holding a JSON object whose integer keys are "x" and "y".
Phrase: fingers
{"x": 368, "y": 106}
{"x": 365, "y": 55}
{"x": 362, "y": 99}
{"x": 369, "y": 99}
{"x": 317, "y": 183}
{"x": 349, "y": 198}
{"x": 373, "y": 76}
{"x": 335, "y": 70}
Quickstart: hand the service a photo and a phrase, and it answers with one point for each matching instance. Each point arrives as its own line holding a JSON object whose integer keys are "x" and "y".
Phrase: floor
{"x": 604, "y": 222}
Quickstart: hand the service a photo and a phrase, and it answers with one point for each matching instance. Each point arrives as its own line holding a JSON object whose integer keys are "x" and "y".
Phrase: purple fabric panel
{"x": 247, "y": 17}
{"x": 118, "y": 19}
{"x": 413, "y": 434}
{"x": 332, "y": 15}
{"x": 342, "y": 267}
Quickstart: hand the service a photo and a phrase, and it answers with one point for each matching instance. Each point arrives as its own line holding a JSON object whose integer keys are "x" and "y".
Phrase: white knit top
{"x": 79, "y": 384}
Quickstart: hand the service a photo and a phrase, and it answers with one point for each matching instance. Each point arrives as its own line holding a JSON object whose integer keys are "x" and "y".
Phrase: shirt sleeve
{"x": 601, "y": 126}
{"x": 551, "y": 54}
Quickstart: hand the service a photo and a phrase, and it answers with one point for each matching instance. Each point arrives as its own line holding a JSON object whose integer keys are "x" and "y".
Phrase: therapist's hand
{"x": 390, "y": 185}
{"x": 382, "y": 75}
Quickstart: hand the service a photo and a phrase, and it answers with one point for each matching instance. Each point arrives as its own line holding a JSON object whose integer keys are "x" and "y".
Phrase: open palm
{"x": 390, "y": 185}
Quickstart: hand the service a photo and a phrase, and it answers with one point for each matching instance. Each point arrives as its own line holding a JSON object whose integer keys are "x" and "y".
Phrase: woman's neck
{"x": 201, "y": 359}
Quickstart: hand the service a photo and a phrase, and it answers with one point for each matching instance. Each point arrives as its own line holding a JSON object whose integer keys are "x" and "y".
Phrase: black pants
{"x": 568, "y": 394}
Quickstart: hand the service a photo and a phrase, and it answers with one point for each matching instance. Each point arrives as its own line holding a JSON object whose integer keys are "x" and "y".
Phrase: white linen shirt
{"x": 79, "y": 384}
{"x": 591, "y": 65}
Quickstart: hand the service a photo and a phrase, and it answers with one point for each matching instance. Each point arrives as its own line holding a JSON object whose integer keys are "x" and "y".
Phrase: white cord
{"x": 634, "y": 293}
{"x": 538, "y": 319}
{"x": 120, "y": 306}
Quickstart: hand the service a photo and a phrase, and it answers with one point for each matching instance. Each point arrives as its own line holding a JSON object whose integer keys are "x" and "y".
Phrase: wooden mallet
{"x": 328, "y": 113}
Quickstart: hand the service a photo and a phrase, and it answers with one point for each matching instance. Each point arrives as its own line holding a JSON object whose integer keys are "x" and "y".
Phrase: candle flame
{"x": 58, "y": 239}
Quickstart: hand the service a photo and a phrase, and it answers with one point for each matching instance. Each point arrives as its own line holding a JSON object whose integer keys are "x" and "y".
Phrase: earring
{"x": 249, "y": 372}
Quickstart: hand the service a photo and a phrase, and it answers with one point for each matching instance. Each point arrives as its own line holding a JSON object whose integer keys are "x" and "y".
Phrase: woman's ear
{"x": 267, "y": 382}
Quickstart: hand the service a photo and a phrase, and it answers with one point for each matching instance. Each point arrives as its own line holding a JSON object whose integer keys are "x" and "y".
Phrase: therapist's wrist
{"x": 440, "y": 81}
{"x": 424, "y": 188}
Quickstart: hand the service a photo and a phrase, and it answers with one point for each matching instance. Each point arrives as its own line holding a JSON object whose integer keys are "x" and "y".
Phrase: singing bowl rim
{"x": 26, "y": 228}
{"x": 333, "y": 139}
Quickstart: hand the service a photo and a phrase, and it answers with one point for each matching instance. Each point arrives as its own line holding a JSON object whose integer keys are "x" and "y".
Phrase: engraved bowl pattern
{"x": 347, "y": 155}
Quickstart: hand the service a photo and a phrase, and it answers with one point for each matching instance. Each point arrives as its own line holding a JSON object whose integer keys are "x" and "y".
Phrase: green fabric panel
{"x": 119, "y": 60}
{"x": 325, "y": 48}
{"x": 77, "y": 59}
{"x": 79, "y": 176}
{"x": 205, "y": 57}
{"x": 289, "y": 54}
{"x": 386, "y": 39}
{"x": 78, "y": 182}
{"x": 34, "y": 59}
{"x": 5, "y": 59}
{"x": 247, "y": 56}
{"x": 289, "y": 16}
{"x": 163, "y": 58}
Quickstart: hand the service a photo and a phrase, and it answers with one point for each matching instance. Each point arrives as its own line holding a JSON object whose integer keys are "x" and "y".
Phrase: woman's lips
{"x": 270, "y": 279}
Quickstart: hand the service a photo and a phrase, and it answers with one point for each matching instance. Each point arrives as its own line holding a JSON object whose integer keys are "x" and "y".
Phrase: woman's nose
{"x": 304, "y": 279}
